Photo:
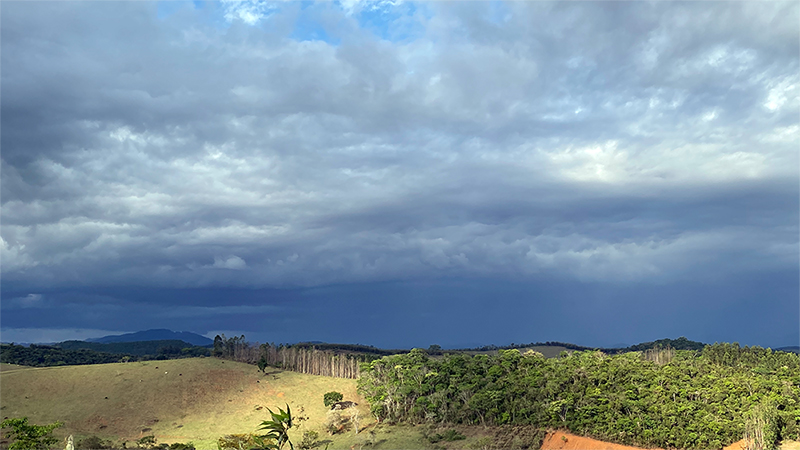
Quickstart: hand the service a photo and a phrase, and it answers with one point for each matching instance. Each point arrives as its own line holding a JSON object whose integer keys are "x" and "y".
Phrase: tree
{"x": 28, "y": 436}
{"x": 218, "y": 345}
{"x": 331, "y": 398}
{"x": 277, "y": 430}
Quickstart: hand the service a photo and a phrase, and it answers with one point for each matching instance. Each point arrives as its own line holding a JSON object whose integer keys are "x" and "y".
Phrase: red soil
{"x": 739, "y": 445}
{"x": 555, "y": 441}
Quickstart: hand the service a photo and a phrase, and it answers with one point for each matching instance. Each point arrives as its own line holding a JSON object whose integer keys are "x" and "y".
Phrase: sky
{"x": 401, "y": 174}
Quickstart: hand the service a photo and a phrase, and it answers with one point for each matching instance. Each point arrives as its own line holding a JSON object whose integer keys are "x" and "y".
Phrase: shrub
{"x": 182, "y": 446}
{"x": 237, "y": 442}
{"x": 337, "y": 422}
{"x": 448, "y": 435}
{"x": 310, "y": 440}
{"x": 483, "y": 443}
{"x": 147, "y": 442}
{"x": 331, "y": 398}
{"x": 94, "y": 443}
{"x": 27, "y": 436}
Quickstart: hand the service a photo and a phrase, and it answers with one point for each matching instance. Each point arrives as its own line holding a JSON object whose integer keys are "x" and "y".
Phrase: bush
{"x": 147, "y": 442}
{"x": 93, "y": 443}
{"x": 237, "y": 442}
{"x": 310, "y": 440}
{"x": 448, "y": 435}
{"x": 331, "y": 398}
{"x": 182, "y": 446}
{"x": 26, "y": 436}
{"x": 337, "y": 422}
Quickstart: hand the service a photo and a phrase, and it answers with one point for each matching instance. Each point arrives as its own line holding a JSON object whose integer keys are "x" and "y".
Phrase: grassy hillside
{"x": 182, "y": 400}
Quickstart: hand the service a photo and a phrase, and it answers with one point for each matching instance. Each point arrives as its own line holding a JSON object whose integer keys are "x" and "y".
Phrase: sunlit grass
{"x": 183, "y": 400}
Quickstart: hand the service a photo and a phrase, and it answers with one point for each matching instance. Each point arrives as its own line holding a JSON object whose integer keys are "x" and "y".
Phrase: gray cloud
{"x": 643, "y": 142}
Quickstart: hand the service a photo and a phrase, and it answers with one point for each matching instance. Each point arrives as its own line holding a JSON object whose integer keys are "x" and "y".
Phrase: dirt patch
{"x": 742, "y": 445}
{"x": 560, "y": 440}
{"x": 739, "y": 445}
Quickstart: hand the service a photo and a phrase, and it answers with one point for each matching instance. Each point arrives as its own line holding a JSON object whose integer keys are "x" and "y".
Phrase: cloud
{"x": 29, "y": 301}
{"x": 232, "y": 262}
{"x": 50, "y": 335}
{"x": 248, "y": 11}
{"x": 446, "y": 140}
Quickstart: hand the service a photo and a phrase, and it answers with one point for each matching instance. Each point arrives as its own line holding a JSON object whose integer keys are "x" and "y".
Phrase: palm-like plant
{"x": 277, "y": 430}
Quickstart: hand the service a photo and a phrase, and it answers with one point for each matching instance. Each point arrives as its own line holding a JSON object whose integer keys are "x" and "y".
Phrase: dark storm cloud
{"x": 615, "y": 144}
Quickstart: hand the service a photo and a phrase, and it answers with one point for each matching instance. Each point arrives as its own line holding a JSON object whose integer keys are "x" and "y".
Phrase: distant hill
{"x": 792, "y": 348}
{"x": 552, "y": 349}
{"x": 678, "y": 344}
{"x": 156, "y": 335}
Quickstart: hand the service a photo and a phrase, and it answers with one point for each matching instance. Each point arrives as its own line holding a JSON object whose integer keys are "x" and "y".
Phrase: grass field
{"x": 182, "y": 400}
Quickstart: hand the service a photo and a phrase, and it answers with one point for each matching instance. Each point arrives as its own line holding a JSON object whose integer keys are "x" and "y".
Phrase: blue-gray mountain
{"x": 156, "y": 335}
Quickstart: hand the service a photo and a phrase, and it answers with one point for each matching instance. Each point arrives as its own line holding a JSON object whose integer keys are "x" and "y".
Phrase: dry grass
{"x": 183, "y": 400}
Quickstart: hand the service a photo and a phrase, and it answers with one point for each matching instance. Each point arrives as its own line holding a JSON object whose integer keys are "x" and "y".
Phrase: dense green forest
{"x": 50, "y": 355}
{"x": 47, "y": 355}
{"x": 690, "y": 399}
{"x": 348, "y": 348}
{"x": 139, "y": 348}
{"x": 678, "y": 344}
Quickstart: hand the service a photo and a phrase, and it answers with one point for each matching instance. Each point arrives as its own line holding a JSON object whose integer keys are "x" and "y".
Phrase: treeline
{"x": 46, "y": 355}
{"x": 759, "y": 360}
{"x": 51, "y": 355}
{"x": 678, "y": 344}
{"x": 697, "y": 400}
{"x": 312, "y": 361}
{"x": 296, "y": 358}
{"x": 490, "y": 348}
{"x": 140, "y": 348}
{"x": 349, "y": 348}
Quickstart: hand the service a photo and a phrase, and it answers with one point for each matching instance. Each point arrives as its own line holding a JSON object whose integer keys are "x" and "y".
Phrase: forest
{"x": 139, "y": 348}
{"x": 659, "y": 398}
{"x": 55, "y": 355}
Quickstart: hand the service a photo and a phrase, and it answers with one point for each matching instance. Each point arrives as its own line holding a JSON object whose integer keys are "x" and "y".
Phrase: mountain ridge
{"x": 157, "y": 334}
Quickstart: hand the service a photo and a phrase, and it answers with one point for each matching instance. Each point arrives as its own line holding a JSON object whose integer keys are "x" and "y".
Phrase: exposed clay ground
{"x": 555, "y": 441}
{"x": 560, "y": 440}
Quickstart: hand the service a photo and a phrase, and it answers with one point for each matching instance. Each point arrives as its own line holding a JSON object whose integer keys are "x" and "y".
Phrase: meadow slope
{"x": 181, "y": 400}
